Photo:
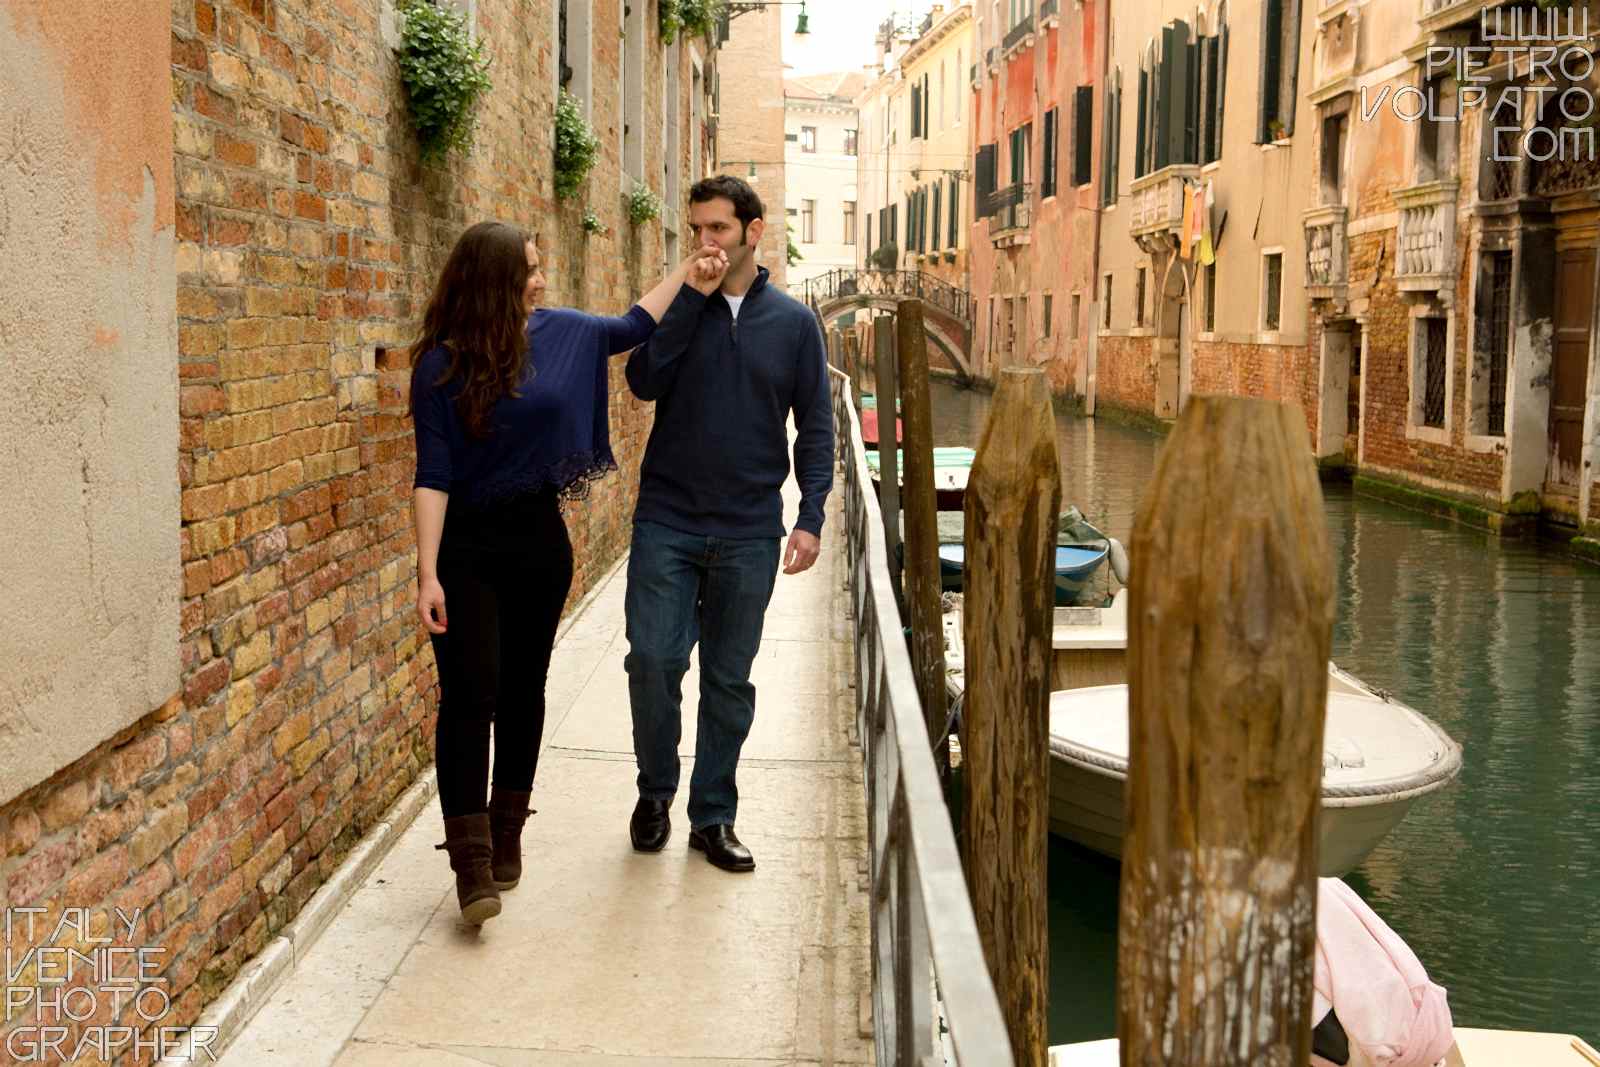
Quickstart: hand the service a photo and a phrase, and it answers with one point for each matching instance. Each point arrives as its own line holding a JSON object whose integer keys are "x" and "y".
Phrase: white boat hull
{"x": 1086, "y": 807}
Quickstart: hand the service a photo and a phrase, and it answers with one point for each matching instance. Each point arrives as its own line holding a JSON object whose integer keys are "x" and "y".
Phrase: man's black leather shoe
{"x": 651, "y": 825}
{"x": 722, "y": 848}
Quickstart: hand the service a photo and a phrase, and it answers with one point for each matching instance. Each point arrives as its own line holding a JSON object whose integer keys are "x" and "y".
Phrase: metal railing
{"x": 1017, "y": 33}
{"x": 1048, "y": 8}
{"x": 922, "y": 920}
{"x": 837, "y": 284}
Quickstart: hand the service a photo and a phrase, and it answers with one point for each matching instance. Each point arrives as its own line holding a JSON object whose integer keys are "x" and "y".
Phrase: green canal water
{"x": 1493, "y": 881}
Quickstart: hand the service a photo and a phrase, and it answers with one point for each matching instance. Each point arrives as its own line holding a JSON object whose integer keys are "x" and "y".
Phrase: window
{"x": 937, "y": 218}
{"x": 1111, "y": 140}
{"x": 868, "y": 245}
{"x": 955, "y": 216}
{"x": 1138, "y": 297}
{"x": 1021, "y": 143}
{"x": 959, "y": 69}
{"x": 1021, "y": 329}
{"x": 1333, "y": 130}
{"x": 791, "y": 138}
{"x": 1077, "y": 310}
{"x": 1271, "y": 291}
{"x": 1211, "y": 298}
{"x": 633, "y": 89}
{"x": 1214, "y": 86}
{"x": 750, "y": 170}
{"x": 1493, "y": 336}
{"x": 849, "y": 142}
{"x": 1105, "y": 302}
{"x": 1436, "y": 132}
{"x": 577, "y": 39}
{"x": 808, "y": 222}
{"x": 1047, "y": 180}
{"x": 1083, "y": 135}
{"x": 1049, "y": 306}
{"x": 1432, "y": 339}
{"x": 994, "y": 339}
{"x": 808, "y": 138}
{"x": 916, "y": 110}
{"x": 985, "y": 181}
{"x": 1280, "y": 68}
{"x": 849, "y": 222}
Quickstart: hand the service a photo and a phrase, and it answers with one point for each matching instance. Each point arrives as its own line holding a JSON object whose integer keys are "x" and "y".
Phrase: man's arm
{"x": 654, "y": 365}
{"x": 813, "y": 420}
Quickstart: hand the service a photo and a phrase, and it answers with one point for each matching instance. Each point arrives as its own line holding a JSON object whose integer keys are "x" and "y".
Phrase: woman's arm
{"x": 657, "y": 300}
{"x": 701, "y": 272}
{"x": 428, "y": 507}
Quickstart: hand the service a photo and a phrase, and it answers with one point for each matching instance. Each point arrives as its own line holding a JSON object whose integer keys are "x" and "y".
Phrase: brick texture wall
{"x": 308, "y": 240}
{"x": 1125, "y": 373}
{"x": 1268, "y": 372}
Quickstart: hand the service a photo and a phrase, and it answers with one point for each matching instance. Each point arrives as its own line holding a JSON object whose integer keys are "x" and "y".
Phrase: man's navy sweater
{"x": 718, "y": 454}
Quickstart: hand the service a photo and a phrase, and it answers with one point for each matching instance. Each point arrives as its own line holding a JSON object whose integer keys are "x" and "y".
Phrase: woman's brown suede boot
{"x": 466, "y": 838}
{"x": 508, "y": 810}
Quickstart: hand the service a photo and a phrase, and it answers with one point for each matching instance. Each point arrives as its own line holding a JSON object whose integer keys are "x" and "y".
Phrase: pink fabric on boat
{"x": 1393, "y": 1015}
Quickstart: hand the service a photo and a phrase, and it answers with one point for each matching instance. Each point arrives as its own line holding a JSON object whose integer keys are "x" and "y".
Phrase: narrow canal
{"x": 1493, "y": 881}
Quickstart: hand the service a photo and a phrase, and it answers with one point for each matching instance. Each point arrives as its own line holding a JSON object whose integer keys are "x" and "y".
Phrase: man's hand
{"x": 802, "y": 551}
{"x": 706, "y": 267}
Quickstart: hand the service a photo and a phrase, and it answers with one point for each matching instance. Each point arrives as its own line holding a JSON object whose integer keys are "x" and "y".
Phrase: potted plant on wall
{"x": 445, "y": 74}
{"x": 576, "y": 147}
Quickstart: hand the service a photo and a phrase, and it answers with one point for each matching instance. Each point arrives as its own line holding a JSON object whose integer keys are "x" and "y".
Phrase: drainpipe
{"x": 1103, "y": 45}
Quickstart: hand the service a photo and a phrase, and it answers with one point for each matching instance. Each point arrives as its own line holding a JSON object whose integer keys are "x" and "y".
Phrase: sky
{"x": 842, "y": 32}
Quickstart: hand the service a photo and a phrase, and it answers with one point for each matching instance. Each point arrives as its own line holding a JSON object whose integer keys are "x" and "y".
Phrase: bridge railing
{"x": 923, "y": 925}
{"x": 932, "y": 290}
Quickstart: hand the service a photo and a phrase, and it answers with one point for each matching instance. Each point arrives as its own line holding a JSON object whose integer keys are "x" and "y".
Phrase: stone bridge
{"x": 947, "y": 312}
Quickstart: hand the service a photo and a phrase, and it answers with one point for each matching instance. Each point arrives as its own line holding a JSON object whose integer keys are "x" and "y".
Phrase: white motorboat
{"x": 1379, "y": 755}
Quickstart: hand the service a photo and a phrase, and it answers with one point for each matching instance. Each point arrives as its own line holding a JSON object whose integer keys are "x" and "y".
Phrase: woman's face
{"x": 534, "y": 292}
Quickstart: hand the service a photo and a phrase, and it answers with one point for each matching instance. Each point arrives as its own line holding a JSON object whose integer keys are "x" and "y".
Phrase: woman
{"x": 510, "y": 405}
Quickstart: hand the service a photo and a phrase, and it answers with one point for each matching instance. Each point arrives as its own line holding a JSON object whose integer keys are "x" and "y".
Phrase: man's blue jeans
{"x": 684, "y": 588}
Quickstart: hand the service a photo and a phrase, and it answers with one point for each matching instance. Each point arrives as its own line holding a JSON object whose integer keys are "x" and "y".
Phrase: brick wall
{"x": 308, "y": 240}
{"x": 1269, "y": 372}
{"x": 1385, "y": 376}
{"x": 1125, "y": 373}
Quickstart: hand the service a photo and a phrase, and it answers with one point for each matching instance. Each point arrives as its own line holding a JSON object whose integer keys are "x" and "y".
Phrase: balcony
{"x": 1018, "y": 34}
{"x": 1327, "y": 254}
{"x": 1425, "y": 260}
{"x": 988, "y": 58}
{"x": 1049, "y": 12}
{"x": 1010, "y": 215}
{"x": 1442, "y": 14}
{"x": 1158, "y": 200}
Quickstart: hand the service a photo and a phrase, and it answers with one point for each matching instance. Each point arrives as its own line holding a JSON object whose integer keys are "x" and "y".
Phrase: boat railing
{"x": 923, "y": 925}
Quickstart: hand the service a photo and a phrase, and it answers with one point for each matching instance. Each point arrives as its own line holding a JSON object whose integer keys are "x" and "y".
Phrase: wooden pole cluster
{"x": 1013, "y": 499}
{"x": 1230, "y": 621}
{"x": 921, "y": 510}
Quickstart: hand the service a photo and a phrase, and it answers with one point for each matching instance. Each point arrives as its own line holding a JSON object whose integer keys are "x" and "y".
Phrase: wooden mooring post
{"x": 921, "y": 578}
{"x": 1230, "y": 620}
{"x": 1013, "y": 499}
{"x": 886, "y": 385}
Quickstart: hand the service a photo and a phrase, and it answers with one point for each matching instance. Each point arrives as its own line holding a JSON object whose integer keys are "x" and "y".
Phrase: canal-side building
{"x": 1204, "y": 96}
{"x": 1451, "y": 268}
{"x": 820, "y": 141}
{"x": 1037, "y": 153}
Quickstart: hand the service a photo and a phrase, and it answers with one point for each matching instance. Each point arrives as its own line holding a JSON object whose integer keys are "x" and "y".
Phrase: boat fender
{"x": 1119, "y": 560}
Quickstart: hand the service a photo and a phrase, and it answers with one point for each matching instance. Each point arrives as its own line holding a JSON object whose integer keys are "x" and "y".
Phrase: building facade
{"x": 820, "y": 151}
{"x": 750, "y": 133}
{"x": 228, "y": 686}
{"x": 1453, "y": 254}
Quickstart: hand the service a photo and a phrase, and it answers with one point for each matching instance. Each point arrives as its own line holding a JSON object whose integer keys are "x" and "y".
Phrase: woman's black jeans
{"x": 506, "y": 571}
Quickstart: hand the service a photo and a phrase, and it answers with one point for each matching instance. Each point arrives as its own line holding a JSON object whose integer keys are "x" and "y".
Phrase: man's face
{"x": 713, "y": 222}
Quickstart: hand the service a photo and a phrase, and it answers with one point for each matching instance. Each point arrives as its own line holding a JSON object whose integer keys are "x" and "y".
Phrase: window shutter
{"x": 1271, "y": 48}
{"x": 1289, "y": 64}
{"x": 1140, "y": 161}
{"x": 1211, "y": 109}
{"x": 1172, "y": 102}
{"x": 984, "y": 175}
{"x": 1083, "y": 128}
{"x": 955, "y": 216}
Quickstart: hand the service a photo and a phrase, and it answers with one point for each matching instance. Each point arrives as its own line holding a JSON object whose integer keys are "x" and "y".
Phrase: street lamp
{"x": 735, "y": 8}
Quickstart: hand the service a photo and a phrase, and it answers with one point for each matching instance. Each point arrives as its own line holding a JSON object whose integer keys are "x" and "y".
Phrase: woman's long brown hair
{"x": 477, "y": 312}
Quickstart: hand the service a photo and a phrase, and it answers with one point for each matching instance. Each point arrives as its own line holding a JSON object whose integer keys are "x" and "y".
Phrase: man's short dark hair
{"x": 747, "y": 205}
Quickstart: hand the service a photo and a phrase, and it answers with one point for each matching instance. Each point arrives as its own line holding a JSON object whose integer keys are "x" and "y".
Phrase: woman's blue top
{"x": 555, "y": 434}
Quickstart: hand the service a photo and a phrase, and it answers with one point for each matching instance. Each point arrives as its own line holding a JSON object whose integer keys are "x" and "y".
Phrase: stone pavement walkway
{"x": 602, "y": 956}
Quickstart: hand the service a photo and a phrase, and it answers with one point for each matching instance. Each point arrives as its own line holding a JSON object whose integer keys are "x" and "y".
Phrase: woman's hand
{"x": 430, "y": 605}
{"x": 705, "y": 268}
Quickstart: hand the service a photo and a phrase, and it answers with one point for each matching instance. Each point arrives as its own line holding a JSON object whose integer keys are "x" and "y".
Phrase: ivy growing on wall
{"x": 693, "y": 17}
{"x": 445, "y": 73}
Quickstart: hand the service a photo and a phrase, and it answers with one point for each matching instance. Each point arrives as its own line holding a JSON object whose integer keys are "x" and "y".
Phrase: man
{"x": 729, "y": 361}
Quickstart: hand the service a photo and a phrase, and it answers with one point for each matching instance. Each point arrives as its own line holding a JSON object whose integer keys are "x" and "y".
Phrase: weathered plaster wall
{"x": 89, "y": 403}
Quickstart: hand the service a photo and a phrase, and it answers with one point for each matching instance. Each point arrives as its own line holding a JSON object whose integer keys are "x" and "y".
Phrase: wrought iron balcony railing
{"x": 1021, "y": 30}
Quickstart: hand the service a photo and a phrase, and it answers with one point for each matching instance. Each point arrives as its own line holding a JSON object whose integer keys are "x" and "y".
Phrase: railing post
{"x": 1013, "y": 498}
{"x": 921, "y": 578}
{"x": 1229, "y": 625}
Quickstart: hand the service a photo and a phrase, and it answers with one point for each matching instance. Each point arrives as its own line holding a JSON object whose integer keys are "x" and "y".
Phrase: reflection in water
{"x": 1491, "y": 880}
